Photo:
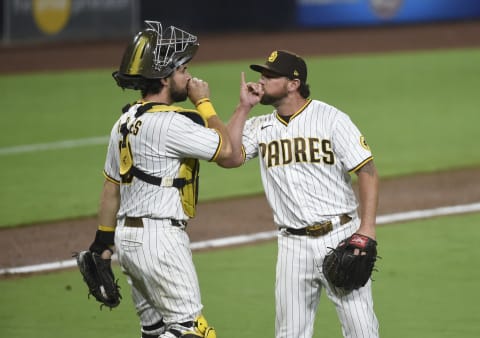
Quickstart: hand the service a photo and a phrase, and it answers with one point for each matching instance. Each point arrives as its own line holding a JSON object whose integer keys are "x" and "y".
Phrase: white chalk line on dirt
{"x": 244, "y": 239}
{"x": 65, "y": 144}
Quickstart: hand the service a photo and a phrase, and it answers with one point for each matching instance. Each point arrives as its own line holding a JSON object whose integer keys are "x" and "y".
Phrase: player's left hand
{"x": 367, "y": 229}
{"x": 98, "y": 275}
{"x": 350, "y": 264}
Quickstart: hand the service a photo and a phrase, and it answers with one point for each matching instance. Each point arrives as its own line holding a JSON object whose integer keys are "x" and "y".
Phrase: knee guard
{"x": 200, "y": 328}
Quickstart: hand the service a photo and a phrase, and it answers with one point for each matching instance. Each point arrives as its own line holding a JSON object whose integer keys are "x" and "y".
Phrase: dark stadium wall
{"x": 222, "y": 15}
{"x": 44, "y": 21}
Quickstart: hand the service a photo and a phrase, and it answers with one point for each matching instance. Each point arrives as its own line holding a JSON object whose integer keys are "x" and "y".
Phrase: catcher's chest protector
{"x": 187, "y": 180}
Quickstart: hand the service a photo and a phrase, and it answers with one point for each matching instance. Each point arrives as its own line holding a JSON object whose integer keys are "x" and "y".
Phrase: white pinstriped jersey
{"x": 305, "y": 163}
{"x": 158, "y": 141}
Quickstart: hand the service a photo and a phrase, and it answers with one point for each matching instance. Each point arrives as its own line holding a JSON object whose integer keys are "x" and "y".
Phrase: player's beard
{"x": 178, "y": 94}
{"x": 272, "y": 100}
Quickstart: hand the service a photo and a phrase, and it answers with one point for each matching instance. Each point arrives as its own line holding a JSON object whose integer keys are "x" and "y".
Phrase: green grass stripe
{"x": 419, "y": 112}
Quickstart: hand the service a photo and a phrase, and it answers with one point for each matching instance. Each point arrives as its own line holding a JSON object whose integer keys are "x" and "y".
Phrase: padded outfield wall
{"x": 43, "y": 21}
{"x": 347, "y": 13}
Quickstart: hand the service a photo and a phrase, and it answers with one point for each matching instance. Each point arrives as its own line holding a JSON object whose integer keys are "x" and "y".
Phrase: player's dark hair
{"x": 151, "y": 86}
{"x": 304, "y": 90}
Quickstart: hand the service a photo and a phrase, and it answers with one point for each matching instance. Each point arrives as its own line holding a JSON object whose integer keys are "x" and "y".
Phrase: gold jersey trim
{"x": 111, "y": 179}
{"x": 295, "y": 114}
{"x": 361, "y": 164}
{"x": 219, "y": 147}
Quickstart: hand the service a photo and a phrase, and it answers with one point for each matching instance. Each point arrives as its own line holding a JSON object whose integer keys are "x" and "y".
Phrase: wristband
{"x": 205, "y": 108}
{"x": 107, "y": 228}
{"x": 199, "y": 102}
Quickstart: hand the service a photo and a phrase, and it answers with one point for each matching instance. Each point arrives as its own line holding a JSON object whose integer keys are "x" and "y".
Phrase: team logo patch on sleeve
{"x": 363, "y": 143}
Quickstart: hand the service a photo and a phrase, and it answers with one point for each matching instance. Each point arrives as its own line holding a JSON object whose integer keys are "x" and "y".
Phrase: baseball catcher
{"x": 350, "y": 264}
{"x": 97, "y": 271}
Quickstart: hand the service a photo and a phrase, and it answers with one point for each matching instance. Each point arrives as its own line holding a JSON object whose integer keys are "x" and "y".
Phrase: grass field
{"x": 419, "y": 112}
{"x": 425, "y": 288}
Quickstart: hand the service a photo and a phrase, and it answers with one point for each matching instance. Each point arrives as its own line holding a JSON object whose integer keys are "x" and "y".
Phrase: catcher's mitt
{"x": 98, "y": 275}
{"x": 347, "y": 269}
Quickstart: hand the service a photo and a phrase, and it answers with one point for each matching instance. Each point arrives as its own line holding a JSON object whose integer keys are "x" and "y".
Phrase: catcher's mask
{"x": 154, "y": 53}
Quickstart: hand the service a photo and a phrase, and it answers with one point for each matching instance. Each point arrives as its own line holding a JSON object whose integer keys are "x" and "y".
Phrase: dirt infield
{"x": 40, "y": 243}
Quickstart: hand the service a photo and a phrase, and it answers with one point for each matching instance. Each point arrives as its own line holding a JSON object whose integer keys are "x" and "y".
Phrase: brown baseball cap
{"x": 284, "y": 63}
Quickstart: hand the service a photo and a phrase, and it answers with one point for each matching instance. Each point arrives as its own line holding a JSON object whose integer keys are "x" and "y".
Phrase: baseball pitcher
{"x": 307, "y": 150}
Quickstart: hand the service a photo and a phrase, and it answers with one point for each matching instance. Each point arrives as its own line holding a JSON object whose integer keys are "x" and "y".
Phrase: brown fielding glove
{"x": 343, "y": 269}
{"x": 98, "y": 275}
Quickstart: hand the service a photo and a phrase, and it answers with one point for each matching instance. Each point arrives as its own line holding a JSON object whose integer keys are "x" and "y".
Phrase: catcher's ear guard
{"x": 127, "y": 81}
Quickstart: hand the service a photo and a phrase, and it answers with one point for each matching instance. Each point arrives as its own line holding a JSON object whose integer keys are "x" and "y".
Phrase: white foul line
{"x": 243, "y": 239}
{"x": 66, "y": 144}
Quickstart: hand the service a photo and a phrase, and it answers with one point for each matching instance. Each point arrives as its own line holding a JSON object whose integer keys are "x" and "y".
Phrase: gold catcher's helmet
{"x": 154, "y": 53}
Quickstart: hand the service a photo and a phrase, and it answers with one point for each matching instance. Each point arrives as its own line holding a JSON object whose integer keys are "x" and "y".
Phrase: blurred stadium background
{"x": 427, "y": 297}
{"x": 45, "y": 21}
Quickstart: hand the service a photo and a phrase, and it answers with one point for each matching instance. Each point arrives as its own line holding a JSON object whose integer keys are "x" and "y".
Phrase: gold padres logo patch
{"x": 363, "y": 142}
{"x": 273, "y": 56}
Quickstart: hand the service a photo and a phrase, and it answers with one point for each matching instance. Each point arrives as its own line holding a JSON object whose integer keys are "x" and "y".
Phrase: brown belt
{"x": 317, "y": 230}
{"x": 137, "y": 222}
